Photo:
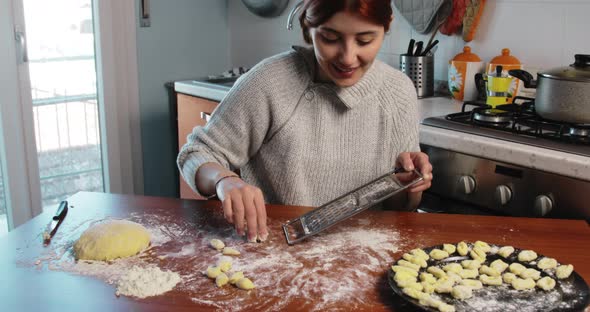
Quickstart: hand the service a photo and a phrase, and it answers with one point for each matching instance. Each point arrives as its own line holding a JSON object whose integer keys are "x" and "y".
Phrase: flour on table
{"x": 146, "y": 282}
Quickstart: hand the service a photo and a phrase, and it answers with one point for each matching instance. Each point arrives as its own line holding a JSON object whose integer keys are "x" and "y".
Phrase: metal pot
{"x": 563, "y": 94}
{"x": 266, "y": 8}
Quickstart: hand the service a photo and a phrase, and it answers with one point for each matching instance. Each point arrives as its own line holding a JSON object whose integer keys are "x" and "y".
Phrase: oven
{"x": 482, "y": 184}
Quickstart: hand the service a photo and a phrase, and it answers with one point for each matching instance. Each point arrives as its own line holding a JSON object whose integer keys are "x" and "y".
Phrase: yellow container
{"x": 507, "y": 62}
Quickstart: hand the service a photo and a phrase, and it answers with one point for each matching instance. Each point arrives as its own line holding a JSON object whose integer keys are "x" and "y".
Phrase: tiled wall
{"x": 541, "y": 33}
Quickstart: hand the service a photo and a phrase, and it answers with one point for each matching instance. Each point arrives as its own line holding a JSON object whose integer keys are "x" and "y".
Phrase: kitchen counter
{"x": 344, "y": 268}
{"x": 566, "y": 164}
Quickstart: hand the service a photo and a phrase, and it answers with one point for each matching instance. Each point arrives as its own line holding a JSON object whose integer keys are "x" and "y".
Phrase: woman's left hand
{"x": 419, "y": 161}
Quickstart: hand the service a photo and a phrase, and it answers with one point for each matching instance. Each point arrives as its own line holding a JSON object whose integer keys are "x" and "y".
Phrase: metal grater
{"x": 347, "y": 205}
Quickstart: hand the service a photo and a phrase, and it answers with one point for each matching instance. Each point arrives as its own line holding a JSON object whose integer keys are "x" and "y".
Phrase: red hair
{"x": 316, "y": 12}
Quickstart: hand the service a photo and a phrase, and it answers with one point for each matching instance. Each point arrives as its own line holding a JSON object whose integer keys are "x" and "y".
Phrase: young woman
{"x": 309, "y": 125}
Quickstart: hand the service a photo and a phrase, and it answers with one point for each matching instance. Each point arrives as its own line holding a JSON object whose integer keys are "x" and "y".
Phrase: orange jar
{"x": 462, "y": 70}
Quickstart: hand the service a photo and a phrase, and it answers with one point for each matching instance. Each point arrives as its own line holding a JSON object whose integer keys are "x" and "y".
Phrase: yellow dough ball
{"x": 462, "y": 249}
{"x": 523, "y": 284}
{"x": 234, "y": 278}
{"x": 228, "y": 251}
{"x": 462, "y": 292}
{"x": 546, "y": 283}
{"x": 527, "y": 255}
{"x": 506, "y": 251}
{"x": 221, "y": 280}
{"x": 475, "y": 284}
{"x": 449, "y": 248}
{"x": 245, "y": 283}
{"x": 213, "y": 272}
{"x": 547, "y": 263}
{"x": 112, "y": 239}
{"x": 438, "y": 254}
{"x": 564, "y": 271}
{"x": 217, "y": 244}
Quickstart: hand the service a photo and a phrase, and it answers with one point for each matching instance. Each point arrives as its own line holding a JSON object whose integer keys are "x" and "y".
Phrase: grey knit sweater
{"x": 303, "y": 142}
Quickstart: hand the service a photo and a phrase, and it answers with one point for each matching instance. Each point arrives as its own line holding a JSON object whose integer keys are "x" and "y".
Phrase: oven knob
{"x": 543, "y": 205}
{"x": 466, "y": 184}
{"x": 503, "y": 194}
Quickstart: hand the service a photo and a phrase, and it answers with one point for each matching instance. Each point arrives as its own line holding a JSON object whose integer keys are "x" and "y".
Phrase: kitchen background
{"x": 189, "y": 39}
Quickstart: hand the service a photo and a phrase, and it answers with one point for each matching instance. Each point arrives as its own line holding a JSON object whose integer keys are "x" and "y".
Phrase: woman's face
{"x": 345, "y": 46}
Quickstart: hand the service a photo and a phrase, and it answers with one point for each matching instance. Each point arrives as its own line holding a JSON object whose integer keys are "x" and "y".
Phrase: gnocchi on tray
{"x": 470, "y": 276}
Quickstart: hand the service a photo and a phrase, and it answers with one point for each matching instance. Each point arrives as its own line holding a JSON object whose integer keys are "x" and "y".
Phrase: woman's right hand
{"x": 243, "y": 206}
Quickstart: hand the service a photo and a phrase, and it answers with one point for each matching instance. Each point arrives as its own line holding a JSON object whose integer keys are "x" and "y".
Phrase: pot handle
{"x": 525, "y": 76}
{"x": 582, "y": 60}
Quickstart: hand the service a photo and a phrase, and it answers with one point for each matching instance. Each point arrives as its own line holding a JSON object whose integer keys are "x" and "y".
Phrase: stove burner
{"x": 493, "y": 115}
{"x": 580, "y": 131}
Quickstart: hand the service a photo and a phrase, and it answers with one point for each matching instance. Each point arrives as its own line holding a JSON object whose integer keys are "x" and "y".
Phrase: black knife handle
{"x": 61, "y": 211}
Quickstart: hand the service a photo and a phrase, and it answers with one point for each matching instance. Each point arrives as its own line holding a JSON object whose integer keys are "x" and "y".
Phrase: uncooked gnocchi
{"x": 509, "y": 277}
{"x": 478, "y": 254}
{"x": 471, "y": 264}
{"x": 490, "y": 280}
{"x": 564, "y": 271}
{"x": 418, "y": 260}
{"x": 530, "y": 273}
{"x": 213, "y": 272}
{"x": 438, "y": 254}
{"x": 235, "y": 277}
{"x": 527, "y": 255}
{"x": 427, "y": 287}
{"x": 482, "y": 245}
{"x": 547, "y": 263}
{"x": 516, "y": 268}
{"x": 475, "y": 284}
{"x": 221, "y": 280}
{"x": 217, "y": 244}
{"x": 228, "y": 251}
{"x": 499, "y": 265}
{"x": 414, "y": 293}
{"x": 462, "y": 292}
{"x": 245, "y": 283}
{"x": 409, "y": 264}
{"x": 427, "y": 277}
{"x": 449, "y": 248}
{"x": 224, "y": 265}
{"x": 420, "y": 253}
{"x": 488, "y": 271}
{"x": 436, "y": 271}
{"x": 523, "y": 284}
{"x": 453, "y": 267}
{"x": 444, "y": 286}
{"x": 469, "y": 273}
{"x": 546, "y": 283}
{"x": 506, "y": 251}
{"x": 462, "y": 249}
{"x": 399, "y": 268}
{"x": 403, "y": 279}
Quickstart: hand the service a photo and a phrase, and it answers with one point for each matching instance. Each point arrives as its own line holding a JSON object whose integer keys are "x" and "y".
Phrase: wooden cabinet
{"x": 192, "y": 112}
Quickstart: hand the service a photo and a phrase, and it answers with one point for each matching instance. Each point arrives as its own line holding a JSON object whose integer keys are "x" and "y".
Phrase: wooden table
{"x": 30, "y": 280}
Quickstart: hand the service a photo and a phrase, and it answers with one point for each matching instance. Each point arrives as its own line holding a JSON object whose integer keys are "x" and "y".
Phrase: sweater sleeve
{"x": 235, "y": 131}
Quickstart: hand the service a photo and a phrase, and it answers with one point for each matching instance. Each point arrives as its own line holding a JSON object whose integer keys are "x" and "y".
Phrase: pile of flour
{"x": 146, "y": 282}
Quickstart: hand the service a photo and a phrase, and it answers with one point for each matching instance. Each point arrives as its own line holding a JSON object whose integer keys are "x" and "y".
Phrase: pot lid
{"x": 505, "y": 58}
{"x": 578, "y": 71}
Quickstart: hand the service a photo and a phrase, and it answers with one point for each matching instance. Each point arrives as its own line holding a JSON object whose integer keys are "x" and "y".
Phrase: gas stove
{"x": 466, "y": 183}
{"x": 518, "y": 123}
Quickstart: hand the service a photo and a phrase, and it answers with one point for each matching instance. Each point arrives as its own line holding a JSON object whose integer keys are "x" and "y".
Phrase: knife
{"x": 57, "y": 219}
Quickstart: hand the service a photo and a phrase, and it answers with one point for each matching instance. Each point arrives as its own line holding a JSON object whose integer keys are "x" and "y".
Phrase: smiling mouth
{"x": 344, "y": 70}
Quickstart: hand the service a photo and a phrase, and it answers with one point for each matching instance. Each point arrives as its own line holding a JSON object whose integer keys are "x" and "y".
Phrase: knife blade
{"x": 57, "y": 219}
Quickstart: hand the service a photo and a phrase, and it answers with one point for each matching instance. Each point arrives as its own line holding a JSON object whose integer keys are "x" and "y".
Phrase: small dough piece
{"x": 516, "y": 268}
{"x": 453, "y": 267}
{"x": 427, "y": 277}
{"x": 213, "y": 272}
{"x": 488, "y": 271}
{"x": 509, "y": 277}
{"x": 427, "y": 287}
{"x": 235, "y": 277}
{"x": 523, "y": 284}
{"x": 217, "y": 244}
{"x": 462, "y": 249}
{"x": 546, "y": 283}
{"x": 499, "y": 265}
{"x": 409, "y": 264}
{"x": 462, "y": 292}
{"x": 444, "y": 285}
{"x": 245, "y": 283}
{"x": 449, "y": 248}
{"x": 415, "y": 286}
{"x": 471, "y": 264}
{"x": 430, "y": 301}
{"x": 414, "y": 293}
{"x": 527, "y": 255}
{"x": 482, "y": 245}
{"x": 399, "y": 268}
{"x": 530, "y": 273}
{"x": 420, "y": 253}
{"x": 490, "y": 280}
{"x": 547, "y": 263}
{"x": 469, "y": 273}
{"x": 456, "y": 278}
{"x": 418, "y": 260}
{"x": 228, "y": 251}
{"x": 478, "y": 254}
{"x": 436, "y": 271}
{"x": 224, "y": 264}
{"x": 112, "y": 239}
{"x": 564, "y": 271}
{"x": 221, "y": 280}
{"x": 506, "y": 251}
{"x": 475, "y": 284}
{"x": 438, "y": 254}
{"x": 403, "y": 279}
